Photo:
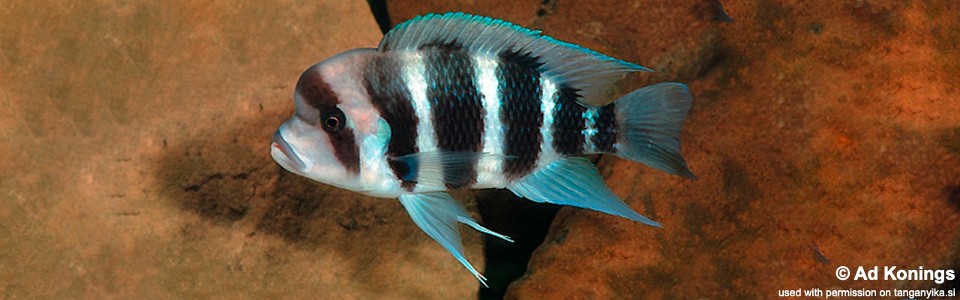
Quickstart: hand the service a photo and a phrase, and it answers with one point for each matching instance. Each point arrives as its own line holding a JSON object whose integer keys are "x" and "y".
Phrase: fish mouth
{"x": 288, "y": 157}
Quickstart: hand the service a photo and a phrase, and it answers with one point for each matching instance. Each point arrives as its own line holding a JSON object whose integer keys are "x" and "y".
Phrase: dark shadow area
{"x": 309, "y": 213}
{"x": 955, "y": 283}
{"x": 213, "y": 174}
{"x": 953, "y": 196}
{"x": 719, "y": 14}
{"x": 380, "y": 13}
{"x": 226, "y": 175}
{"x": 220, "y": 173}
{"x": 525, "y": 221}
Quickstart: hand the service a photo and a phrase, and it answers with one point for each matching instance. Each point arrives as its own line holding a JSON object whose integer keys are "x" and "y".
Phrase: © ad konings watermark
{"x": 882, "y": 273}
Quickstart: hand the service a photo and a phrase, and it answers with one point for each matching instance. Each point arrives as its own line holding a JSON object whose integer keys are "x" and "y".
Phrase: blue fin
{"x": 588, "y": 71}
{"x": 427, "y": 168}
{"x": 575, "y": 181}
{"x": 650, "y": 119}
{"x": 437, "y": 215}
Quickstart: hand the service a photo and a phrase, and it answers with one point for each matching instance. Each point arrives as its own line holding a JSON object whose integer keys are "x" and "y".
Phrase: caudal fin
{"x": 650, "y": 119}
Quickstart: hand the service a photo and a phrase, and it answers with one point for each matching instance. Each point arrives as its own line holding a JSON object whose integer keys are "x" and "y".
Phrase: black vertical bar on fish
{"x": 568, "y": 123}
{"x": 457, "y": 109}
{"x": 606, "y": 125}
{"x": 520, "y": 92}
{"x": 319, "y": 95}
{"x": 391, "y": 97}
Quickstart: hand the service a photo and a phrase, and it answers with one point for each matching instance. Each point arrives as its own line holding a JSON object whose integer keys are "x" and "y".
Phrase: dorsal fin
{"x": 587, "y": 71}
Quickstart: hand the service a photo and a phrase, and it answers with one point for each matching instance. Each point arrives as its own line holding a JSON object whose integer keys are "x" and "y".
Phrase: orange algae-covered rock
{"x": 824, "y": 135}
{"x": 522, "y": 12}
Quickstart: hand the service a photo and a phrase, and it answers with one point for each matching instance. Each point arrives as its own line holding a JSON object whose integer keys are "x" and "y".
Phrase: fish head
{"x": 325, "y": 138}
{"x": 301, "y": 149}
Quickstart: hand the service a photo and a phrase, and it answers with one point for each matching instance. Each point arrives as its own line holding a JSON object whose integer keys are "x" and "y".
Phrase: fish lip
{"x": 291, "y": 156}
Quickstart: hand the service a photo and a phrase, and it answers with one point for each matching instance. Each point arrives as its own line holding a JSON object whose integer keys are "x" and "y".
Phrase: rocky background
{"x": 134, "y": 157}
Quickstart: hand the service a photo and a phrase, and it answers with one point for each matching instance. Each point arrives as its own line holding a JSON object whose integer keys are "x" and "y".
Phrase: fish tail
{"x": 649, "y": 120}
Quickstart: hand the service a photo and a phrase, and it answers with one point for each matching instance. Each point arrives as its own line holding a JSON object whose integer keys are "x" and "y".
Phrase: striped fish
{"x": 457, "y": 101}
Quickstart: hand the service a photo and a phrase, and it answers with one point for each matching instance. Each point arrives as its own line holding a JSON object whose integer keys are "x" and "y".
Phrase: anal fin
{"x": 437, "y": 215}
{"x": 575, "y": 182}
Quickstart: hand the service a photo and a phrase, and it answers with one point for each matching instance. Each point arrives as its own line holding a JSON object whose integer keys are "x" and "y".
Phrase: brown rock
{"x": 135, "y": 164}
{"x": 523, "y": 12}
{"x": 677, "y": 39}
{"x": 825, "y": 135}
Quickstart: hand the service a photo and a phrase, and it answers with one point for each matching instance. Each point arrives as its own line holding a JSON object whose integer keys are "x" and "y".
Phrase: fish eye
{"x": 333, "y": 120}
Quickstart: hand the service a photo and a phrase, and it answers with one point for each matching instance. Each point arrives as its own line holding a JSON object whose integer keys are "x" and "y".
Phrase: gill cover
{"x": 318, "y": 142}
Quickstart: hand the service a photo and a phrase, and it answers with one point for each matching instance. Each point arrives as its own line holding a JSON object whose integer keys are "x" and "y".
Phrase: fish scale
{"x": 520, "y": 94}
{"x": 568, "y": 124}
{"x": 457, "y": 110}
{"x": 391, "y": 96}
{"x": 605, "y": 140}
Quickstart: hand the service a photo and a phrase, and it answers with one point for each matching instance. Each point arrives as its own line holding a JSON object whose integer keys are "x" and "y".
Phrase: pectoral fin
{"x": 435, "y": 168}
{"x": 575, "y": 182}
{"x": 437, "y": 215}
